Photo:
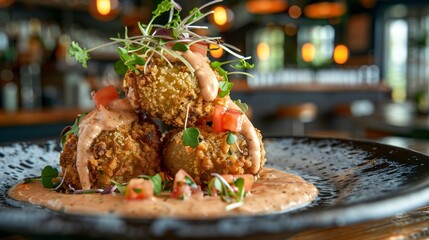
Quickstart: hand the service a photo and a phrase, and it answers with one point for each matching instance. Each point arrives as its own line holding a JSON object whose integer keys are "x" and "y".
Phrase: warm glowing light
{"x": 341, "y": 54}
{"x": 308, "y": 52}
{"x": 295, "y": 11}
{"x": 263, "y": 51}
{"x": 103, "y": 7}
{"x": 6, "y": 3}
{"x": 215, "y": 51}
{"x": 220, "y": 16}
{"x": 265, "y": 6}
{"x": 104, "y": 10}
{"x": 290, "y": 29}
{"x": 325, "y": 9}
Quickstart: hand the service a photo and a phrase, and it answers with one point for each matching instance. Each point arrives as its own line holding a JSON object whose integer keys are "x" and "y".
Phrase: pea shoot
{"x": 233, "y": 195}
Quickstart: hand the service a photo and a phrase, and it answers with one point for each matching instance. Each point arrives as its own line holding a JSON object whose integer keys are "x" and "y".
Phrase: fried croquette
{"x": 212, "y": 155}
{"x": 120, "y": 154}
{"x": 165, "y": 91}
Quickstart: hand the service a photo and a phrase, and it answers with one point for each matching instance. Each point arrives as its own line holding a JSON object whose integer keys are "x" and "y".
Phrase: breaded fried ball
{"x": 165, "y": 91}
{"x": 212, "y": 155}
{"x": 121, "y": 154}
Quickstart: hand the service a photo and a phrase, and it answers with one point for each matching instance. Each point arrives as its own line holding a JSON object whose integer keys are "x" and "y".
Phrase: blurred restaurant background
{"x": 330, "y": 68}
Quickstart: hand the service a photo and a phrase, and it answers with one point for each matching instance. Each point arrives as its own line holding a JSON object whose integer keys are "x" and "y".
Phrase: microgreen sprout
{"x": 243, "y": 106}
{"x": 74, "y": 129}
{"x": 162, "y": 40}
{"x": 119, "y": 186}
{"x": 48, "y": 174}
{"x": 157, "y": 182}
{"x": 190, "y": 135}
{"x": 225, "y": 86}
{"x": 47, "y": 177}
{"x": 233, "y": 195}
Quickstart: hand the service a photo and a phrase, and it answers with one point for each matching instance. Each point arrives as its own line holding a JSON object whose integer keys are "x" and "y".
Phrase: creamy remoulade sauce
{"x": 209, "y": 86}
{"x": 275, "y": 191}
{"x": 119, "y": 112}
{"x": 205, "y": 75}
{"x": 253, "y": 144}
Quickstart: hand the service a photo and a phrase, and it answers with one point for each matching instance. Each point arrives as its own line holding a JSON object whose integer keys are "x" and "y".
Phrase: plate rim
{"x": 286, "y": 223}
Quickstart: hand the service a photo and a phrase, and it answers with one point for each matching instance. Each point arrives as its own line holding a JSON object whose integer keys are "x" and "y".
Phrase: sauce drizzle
{"x": 118, "y": 113}
{"x": 205, "y": 75}
{"x": 252, "y": 139}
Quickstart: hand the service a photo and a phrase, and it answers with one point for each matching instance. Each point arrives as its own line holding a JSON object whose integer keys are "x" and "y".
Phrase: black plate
{"x": 357, "y": 180}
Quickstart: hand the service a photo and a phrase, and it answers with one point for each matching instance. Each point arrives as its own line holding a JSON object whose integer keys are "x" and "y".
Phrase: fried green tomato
{"x": 165, "y": 92}
{"x": 212, "y": 155}
{"x": 120, "y": 154}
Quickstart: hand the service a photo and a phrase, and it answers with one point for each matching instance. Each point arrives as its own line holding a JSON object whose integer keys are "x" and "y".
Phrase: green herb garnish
{"x": 48, "y": 174}
{"x": 46, "y": 177}
{"x": 119, "y": 186}
{"x": 225, "y": 86}
{"x": 190, "y": 137}
{"x": 155, "y": 39}
{"x": 79, "y": 53}
{"x": 180, "y": 47}
{"x": 190, "y": 182}
{"x": 74, "y": 129}
{"x": 234, "y": 196}
{"x": 231, "y": 138}
{"x": 157, "y": 182}
{"x": 243, "y": 106}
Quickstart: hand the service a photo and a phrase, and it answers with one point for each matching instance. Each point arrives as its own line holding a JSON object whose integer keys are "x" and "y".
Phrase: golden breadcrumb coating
{"x": 165, "y": 91}
{"x": 212, "y": 155}
{"x": 121, "y": 154}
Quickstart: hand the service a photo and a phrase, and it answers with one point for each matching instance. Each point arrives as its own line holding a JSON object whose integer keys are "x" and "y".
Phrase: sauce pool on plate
{"x": 275, "y": 191}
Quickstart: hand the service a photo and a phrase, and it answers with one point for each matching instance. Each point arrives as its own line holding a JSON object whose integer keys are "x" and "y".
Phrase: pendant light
{"x": 266, "y": 6}
{"x": 104, "y": 10}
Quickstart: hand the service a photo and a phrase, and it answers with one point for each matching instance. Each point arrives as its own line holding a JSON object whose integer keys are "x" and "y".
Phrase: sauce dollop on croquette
{"x": 119, "y": 112}
{"x": 206, "y": 78}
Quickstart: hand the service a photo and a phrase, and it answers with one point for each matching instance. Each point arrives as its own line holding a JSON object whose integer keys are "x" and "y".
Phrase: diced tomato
{"x": 184, "y": 186}
{"x": 217, "y": 118}
{"x": 226, "y": 119}
{"x": 105, "y": 95}
{"x": 232, "y": 120}
{"x": 199, "y": 47}
{"x": 139, "y": 188}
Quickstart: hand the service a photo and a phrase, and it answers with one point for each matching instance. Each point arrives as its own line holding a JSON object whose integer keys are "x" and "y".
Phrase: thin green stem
{"x": 243, "y": 73}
